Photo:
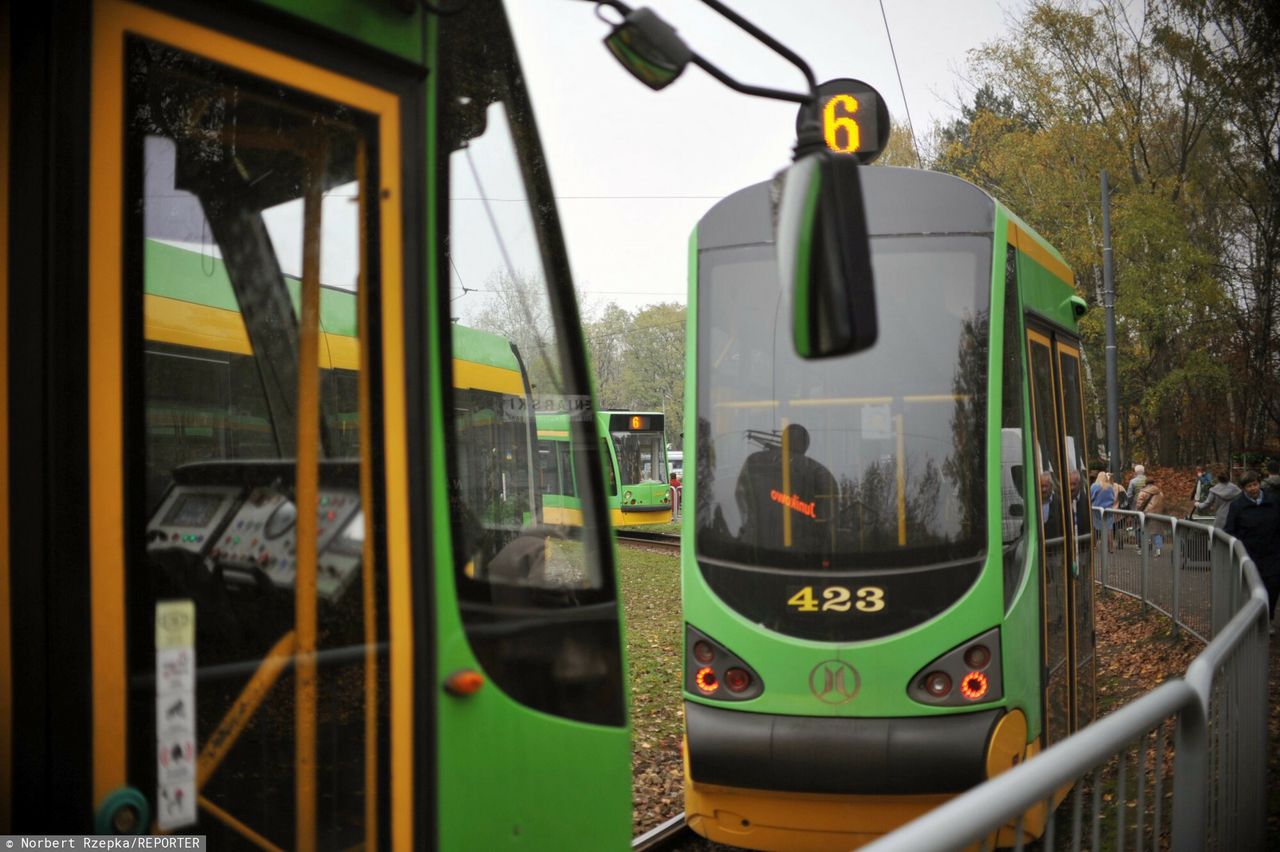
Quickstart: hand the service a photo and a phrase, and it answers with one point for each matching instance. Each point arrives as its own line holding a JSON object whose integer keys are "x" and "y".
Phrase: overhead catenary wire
{"x": 911, "y": 127}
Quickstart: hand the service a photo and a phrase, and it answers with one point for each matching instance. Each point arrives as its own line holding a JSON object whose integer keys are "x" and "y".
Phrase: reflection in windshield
{"x": 869, "y": 460}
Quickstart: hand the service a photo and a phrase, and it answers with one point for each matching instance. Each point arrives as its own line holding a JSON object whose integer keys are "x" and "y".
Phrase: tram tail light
{"x": 706, "y": 680}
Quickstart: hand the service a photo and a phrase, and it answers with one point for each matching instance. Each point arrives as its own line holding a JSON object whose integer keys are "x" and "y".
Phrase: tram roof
{"x": 897, "y": 200}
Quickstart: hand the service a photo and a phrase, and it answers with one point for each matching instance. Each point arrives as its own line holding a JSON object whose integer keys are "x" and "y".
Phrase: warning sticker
{"x": 175, "y": 714}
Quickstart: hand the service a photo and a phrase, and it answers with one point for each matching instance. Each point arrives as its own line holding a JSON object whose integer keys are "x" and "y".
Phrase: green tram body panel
{"x": 731, "y": 241}
{"x": 517, "y": 764}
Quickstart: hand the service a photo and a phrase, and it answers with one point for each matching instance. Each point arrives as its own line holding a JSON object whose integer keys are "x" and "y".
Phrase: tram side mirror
{"x": 824, "y": 256}
{"x": 649, "y": 48}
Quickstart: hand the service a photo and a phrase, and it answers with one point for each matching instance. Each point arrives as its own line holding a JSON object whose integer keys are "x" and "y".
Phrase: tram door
{"x": 322, "y": 613}
{"x": 1061, "y": 466}
{"x": 1081, "y": 567}
{"x": 246, "y": 515}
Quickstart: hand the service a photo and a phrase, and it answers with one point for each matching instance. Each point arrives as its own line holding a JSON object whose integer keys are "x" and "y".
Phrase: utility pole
{"x": 1109, "y": 304}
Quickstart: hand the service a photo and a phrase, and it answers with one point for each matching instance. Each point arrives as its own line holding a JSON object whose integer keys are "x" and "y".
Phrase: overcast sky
{"x": 634, "y": 170}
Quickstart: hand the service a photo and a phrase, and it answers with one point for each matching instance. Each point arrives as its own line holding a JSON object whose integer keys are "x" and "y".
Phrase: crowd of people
{"x": 1248, "y": 509}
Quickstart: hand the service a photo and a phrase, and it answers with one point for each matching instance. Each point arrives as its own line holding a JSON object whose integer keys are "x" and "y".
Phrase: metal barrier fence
{"x": 1184, "y": 766}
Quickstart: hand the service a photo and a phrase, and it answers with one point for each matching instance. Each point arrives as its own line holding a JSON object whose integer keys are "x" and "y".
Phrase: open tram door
{"x": 1062, "y": 475}
{"x": 281, "y": 580}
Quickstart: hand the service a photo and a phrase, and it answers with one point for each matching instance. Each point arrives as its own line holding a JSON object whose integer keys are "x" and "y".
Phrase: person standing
{"x": 1272, "y": 482}
{"x": 1150, "y": 499}
{"x": 1203, "y": 484}
{"x": 1137, "y": 483}
{"x": 1254, "y": 518}
{"x": 1219, "y": 499}
{"x": 1102, "y": 495}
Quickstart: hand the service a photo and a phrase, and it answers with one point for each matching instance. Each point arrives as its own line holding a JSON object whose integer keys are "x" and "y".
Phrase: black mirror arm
{"x": 759, "y": 34}
{"x": 774, "y": 45}
{"x": 747, "y": 89}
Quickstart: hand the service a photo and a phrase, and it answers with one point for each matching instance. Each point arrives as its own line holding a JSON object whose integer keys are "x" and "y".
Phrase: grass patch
{"x": 651, "y": 600}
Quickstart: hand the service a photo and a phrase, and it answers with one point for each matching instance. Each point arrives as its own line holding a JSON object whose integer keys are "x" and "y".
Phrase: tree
{"x": 519, "y": 309}
{"x": 653, "y": 374}
{"x": 1179, "y": 100}
{"x": 606, "y": 346}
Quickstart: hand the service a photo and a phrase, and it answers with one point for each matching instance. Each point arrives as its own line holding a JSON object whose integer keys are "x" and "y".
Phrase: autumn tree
{"x": 653, "y": 374}
{"x": 1154, "y": 95}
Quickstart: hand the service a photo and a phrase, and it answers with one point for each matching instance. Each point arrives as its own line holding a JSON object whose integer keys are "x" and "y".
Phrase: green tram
{"x": 887, "y": 578}
{"x": 273, "y": 569}
{"x": 636, "y": 476}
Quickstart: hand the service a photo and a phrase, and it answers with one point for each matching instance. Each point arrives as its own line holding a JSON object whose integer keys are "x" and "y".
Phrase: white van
{"x": 675, "y": 464}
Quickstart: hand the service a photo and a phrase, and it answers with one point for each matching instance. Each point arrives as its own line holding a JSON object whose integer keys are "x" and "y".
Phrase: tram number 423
{"x": 838, "y": 599}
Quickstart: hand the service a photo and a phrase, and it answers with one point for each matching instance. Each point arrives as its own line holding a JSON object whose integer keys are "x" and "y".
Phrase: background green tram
{"x": 204, "y": 404}
{"x": 633, "y": 448}
{"x": 878, "y": 616}
{"x": 273, "y": 571}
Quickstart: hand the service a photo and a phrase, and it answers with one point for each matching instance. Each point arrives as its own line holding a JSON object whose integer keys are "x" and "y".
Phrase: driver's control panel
{"x": 254, "y": 530}
{"x": 263, "y": 534}
{"x": 190, "y": 517}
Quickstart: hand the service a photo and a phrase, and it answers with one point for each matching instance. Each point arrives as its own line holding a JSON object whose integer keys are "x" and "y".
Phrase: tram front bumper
{"x": 842, "y": 756}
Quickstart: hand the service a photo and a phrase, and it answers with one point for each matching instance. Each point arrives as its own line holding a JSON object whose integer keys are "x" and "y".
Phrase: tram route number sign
{"x": 852, "y": 116}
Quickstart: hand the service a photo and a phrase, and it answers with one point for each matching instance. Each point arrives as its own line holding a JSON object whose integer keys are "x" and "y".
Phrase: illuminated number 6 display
{"x": 838, "y": 114}
{"x": 852, "y": 117}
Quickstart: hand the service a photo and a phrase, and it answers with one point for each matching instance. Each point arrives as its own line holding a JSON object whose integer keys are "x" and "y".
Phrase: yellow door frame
{"x": 112, "y": 21}
{"x": 1038, "y": 338}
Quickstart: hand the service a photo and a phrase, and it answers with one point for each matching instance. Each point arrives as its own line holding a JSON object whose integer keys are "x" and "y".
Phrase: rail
{"x": 648, "y": 540}
{"x": 667, "y": 837}
{"x": 1184, "y": 766}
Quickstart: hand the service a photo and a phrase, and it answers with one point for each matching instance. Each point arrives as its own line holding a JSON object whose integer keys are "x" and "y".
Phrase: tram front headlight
{"x": 737, "y": 679}
{"x": 977, "y": 657}
{"x": 712, "y": 670}
{"x": 970, "y": 672}
{"x": 938, "y": 684}
{"x": 703, "y": 652}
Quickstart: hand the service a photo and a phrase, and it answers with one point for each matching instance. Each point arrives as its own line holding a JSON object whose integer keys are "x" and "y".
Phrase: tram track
{"x": 651, "y": 541}
{"x": 666, "y": 837}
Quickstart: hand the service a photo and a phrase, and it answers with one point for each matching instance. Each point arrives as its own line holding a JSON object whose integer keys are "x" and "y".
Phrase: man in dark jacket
{"x": 1254, "y": 518}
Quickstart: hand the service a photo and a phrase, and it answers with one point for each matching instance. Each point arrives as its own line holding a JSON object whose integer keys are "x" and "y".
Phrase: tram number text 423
{"x": 838, "y": 599}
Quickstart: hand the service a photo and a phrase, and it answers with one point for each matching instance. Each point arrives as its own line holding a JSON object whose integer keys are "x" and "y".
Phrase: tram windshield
{"x": 640, "y": 457}
{"x": 868, "y": 461}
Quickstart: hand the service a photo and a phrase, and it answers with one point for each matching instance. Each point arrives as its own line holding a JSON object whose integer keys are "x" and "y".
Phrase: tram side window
{"x": 566, "y": 469}
{"x": 341, "y": 389}
{"x": 1013, "y": 486}
{"x": 548, "y": 472}
{"x": 522, "y": 583}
